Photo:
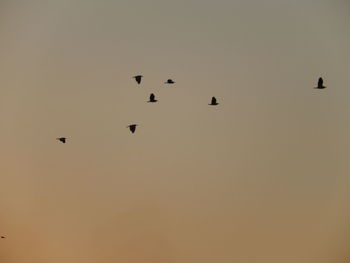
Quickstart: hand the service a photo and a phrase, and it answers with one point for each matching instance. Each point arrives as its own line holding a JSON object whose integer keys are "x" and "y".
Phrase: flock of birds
{"x": 152, "y": 99}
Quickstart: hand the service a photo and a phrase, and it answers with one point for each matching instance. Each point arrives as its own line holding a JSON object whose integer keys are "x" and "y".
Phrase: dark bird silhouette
{"x": 169, "y": 81}
{"x": 152, "y": 98}
{"x": 3, "y": 237}
{"x": 62, "y": 139}
{"x": 213, "y": 101}
{"x": 138, "y": 78}
{"x": 132, "y": 127}
{"x": 320, "y": 84}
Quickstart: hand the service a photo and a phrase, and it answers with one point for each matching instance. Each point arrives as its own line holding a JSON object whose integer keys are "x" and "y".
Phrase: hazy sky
{"x": 263, "y": 177}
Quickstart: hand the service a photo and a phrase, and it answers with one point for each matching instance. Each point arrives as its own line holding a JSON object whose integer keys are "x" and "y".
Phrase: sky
{"x": 262, "y": 177}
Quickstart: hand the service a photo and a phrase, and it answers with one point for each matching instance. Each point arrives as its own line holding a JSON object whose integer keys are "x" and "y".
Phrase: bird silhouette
{"x": 152, "y": 98}
{"x": 320, "y": 84}
{"x": 138, "y": 78}
{"x": 3, "y": 237}
{"x": 62, "y": 139}
{"x": 132, "y": 127}
{"x": 169, "y": 81}
{"x": 213, "y": 102}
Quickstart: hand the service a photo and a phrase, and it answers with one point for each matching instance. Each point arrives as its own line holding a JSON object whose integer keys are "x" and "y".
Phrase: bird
{"x": 3, "y": 237}
{"x": 62, "y": 139}
{"x": 132, "y": 127}
{"x": 152, "y": 98}
{"x": 320, "y": 84}
{"x": 169, "y": 81}
{"x": 138, "y": 78}
{"x": 213, "y": 102}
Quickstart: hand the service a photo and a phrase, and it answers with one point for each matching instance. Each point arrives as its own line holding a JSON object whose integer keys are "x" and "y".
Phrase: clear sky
{"x": 262, "y": 177}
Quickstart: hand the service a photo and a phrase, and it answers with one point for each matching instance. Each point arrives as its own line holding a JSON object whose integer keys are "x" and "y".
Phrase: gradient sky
{"x": 263, "y": 177}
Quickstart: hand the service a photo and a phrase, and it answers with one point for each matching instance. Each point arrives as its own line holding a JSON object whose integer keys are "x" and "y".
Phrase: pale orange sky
{"x": 263, "y": 177}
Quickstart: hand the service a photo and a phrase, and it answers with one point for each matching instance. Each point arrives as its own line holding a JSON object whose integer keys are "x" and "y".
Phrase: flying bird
{"x": 320, "y": 84}
{"x": 138, "y": 78}
{"x": 152, "y": 98}
{"x": 169, "y": 81}
{"x": 62, "y": 139}
{"x": 132, "y": 127}
{"x": 213, "y": 101}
